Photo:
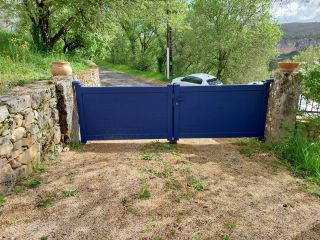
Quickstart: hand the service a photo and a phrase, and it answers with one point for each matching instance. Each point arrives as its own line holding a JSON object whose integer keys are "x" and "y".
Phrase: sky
{"x": 297, "y": 11}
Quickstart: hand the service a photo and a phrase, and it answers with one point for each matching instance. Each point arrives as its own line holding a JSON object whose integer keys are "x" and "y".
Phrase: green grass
{"x": 143, "y": 193}
{"x": 150, "y": 156}
{"x": 300, "y": 153}
{"x": 21, "y": 65}
{"x": 230, "y": 225}
{"x": 2, "y": 201}
{"x": 186, "y": 197}
{"x": 34, "y": 183}
{"x": 134, "y": 72}
{"x": 45, "y": 202}
{"x": 70, "y": 193}
{"x": 74, "y": 145}
{"x": 134, "y": 211}
{"x": 195, "y": 184}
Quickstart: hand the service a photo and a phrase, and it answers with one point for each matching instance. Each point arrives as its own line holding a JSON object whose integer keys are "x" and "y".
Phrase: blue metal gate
{"x": 172, "y": 112}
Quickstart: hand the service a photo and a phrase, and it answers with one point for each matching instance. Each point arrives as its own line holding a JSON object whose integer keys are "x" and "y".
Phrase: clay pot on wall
{"x": 61, "y": 69}
{"x": 288, "y": 67}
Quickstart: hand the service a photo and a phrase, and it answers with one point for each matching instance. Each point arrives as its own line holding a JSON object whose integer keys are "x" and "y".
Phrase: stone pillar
{"x": 283, "y": 104}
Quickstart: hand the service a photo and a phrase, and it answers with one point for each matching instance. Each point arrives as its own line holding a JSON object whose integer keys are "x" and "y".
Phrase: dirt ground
{"x": 200, "y": 189}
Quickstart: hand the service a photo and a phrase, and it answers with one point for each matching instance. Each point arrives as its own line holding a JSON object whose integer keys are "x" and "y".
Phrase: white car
{"x": 198, "y": 79}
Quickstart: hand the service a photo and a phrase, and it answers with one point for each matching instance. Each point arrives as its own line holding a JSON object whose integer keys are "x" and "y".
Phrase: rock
{"x": 23, "y": 170}
{"x": 57, "y": 135}
{"x": 4, "y": 139}
{"x": 26, "y": 142}
{"x": 29, "y": 118}
{"x": 53, "y": 103}
{"x": 36, "y": 115}
{"x": 17, "y": 120}
{"x": 2, "y": 162}
{"x": 15, "y": 164}
{"x": 16, "y": 153}
{"x": 7, "y": 179}
{"x": 6, "y": 148}
{"x": 55, "y": 115}
{"x": 32, "y": 129}
{"x": 4, "y": 113}
{"x": 66, "y": 149}
{"x": 19, "y": 103}
{"x": 17, "y": 145}
{"x": 18, "y": 133}
{"x": 33, "y": 153}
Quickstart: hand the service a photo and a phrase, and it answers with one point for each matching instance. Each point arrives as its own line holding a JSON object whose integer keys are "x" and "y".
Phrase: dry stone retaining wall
{"x": 35, "y": 120}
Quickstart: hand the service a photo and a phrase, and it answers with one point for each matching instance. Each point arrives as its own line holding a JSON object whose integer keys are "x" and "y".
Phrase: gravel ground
{"x": 200, "y": 189}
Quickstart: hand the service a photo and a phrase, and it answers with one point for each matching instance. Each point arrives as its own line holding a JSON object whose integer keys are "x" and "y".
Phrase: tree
{"x": 232, "y": 38}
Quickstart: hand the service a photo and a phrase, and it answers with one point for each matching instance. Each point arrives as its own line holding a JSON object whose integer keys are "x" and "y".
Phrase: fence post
{"x": 282, "y": 105}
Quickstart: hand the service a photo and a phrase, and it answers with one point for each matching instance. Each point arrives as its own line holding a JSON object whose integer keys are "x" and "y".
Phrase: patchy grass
{"x": 173, "y": 184}
{"x": 186, "y": 197}
{"x": 167, "y": 172}
{"x": 195, "y": 184}
{"x": 74, "y": 145}
{"x": 2, "y": 201}
{"x": 143, "y": 193}
{"x": 150, "y": 156}
{"x": 34, "y": 183}
{"x": 45, "y": 201}
{"x": 38, "y": 166}
{"x": 147, "y": 75}
{"x": 230, "y": 225}
{"x": 164, "y": 147}
{"x": 70, "y": 178}
{"x": 70, "y": 193}
{"x": 134, "y": 211}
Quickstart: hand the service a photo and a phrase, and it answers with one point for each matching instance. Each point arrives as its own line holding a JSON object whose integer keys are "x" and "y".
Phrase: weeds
{"x": 70, "y": 178}
{"x": 143, "y": 193}
{"x": 195, "y": 184}
{"x": 173, "y": 184}
{"x": 38, "y": 166}
{"x": 230, "y": 225}
{"x": 134, "y": 211}
{"x": 74, "y": 145}
{"x": 150, "y": 156}
{"x": 70, "y": 193}
{"x": 2, "y": 201}
{"x": 164, "y": 174}
{"x": 45, "y": 202}
{"x": 186, "y": 197}
{"x": 34, "y": 183}
{"x": 164, "y": 147}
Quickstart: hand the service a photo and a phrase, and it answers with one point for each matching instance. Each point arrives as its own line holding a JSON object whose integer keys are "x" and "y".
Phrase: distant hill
{"x": 298, "y": 36}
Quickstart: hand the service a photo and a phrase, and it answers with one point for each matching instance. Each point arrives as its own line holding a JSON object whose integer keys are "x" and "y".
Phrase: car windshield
{"x": 212, "y": 81}
{"x": 192, "y": 79}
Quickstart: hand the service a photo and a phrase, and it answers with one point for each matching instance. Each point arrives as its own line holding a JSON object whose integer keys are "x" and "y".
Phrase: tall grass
{"x": 302, "y": 153}
{"x": 21, "y": 63}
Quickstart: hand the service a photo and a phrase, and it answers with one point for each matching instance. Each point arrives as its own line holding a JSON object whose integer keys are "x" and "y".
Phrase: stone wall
{"x": 37, "y": 119}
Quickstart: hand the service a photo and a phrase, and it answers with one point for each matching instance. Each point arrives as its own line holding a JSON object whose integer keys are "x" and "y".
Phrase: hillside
{"x": 298, "y": 36}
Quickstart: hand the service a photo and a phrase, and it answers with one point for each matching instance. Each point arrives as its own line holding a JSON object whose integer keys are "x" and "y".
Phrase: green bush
{"x": 303, "y": 153}
{"x": 311, "y": 83}
{"x": 21, "y": 63}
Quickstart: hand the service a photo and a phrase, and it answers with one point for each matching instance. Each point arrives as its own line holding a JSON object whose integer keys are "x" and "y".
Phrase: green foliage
{"x": 2, "y": 201}
{"x": 195, "y": 184}
{"x": 186, "y": 197}
{"x": 21, "y": 65}
{"x": 245, "y": 42}
{"x": 74, "y": 145}
{"x": 134, "y": 211}
{"x": 230, "y": 225}
{"x": 70, "y": 193}
{"x": 311, "y": 82}
{"x": 143, "y": 193}
{"x": 34, "y": 183}
{"x": 151, "y": 156}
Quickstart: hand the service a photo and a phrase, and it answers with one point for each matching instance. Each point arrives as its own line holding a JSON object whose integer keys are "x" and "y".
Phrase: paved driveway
{"x": 110, "y": 78}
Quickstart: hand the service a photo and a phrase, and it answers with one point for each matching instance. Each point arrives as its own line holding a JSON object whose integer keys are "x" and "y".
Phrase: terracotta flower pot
{"x": 61, "y": 69}
{"x": 288, "y": 67}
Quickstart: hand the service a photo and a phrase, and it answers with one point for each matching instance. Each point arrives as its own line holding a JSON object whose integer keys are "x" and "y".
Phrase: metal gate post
{"x": 176, "y": 101}
{"x": 77, "y": 88}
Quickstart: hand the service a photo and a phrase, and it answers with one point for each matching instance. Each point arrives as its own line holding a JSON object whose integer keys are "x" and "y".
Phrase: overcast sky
{"x": 297, "y": 11}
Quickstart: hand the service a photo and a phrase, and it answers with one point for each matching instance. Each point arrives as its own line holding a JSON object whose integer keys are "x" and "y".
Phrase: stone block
{"x": 29, "y": 118}
{"x": 18, "y": 133}
{"x": 19, "y": 103}
{"x": 57, "y": 135}
{"x": 17, "y": 120}
{"x": 7, "y": 179}
{"x": 33, "y": 129}
{"x": 6, "y": 148}
{"x": 15, "y": 164}
{"x": 4, "y": 113}
{"x": 16, "y": 153}
{"x": 27, "y": 141}
{"x": 17, "y": 145}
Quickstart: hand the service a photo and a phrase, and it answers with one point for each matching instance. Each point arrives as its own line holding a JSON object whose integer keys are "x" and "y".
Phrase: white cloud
{"x": 297, "y": 11}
